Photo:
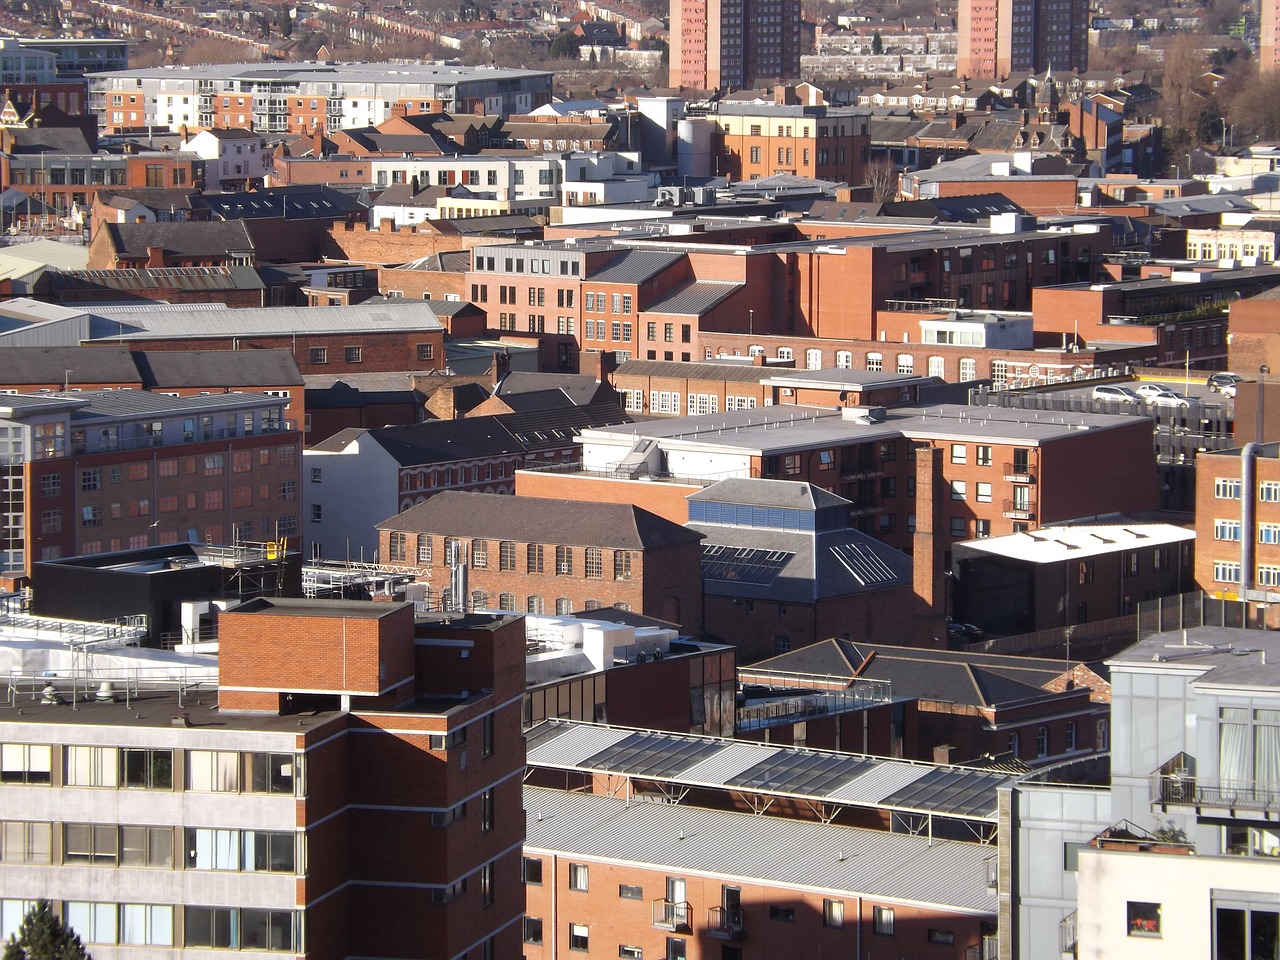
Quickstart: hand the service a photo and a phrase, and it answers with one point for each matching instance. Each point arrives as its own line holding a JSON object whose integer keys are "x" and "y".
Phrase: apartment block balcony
{"x": 987, "y": 949}
{"x": 859, "y": 469}
{"x": 1068, "y": 936}
{"x": 725, "y": 924}
{"x": 1019, "y": 473}
{"x": 1019, "y": 510}
{"x": 671, "y": 915}
{"x": 1174, "y": 790}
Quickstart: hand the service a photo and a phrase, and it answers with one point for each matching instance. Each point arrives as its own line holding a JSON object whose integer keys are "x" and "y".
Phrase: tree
{"x": 565, "y": 46}
{"x": 1183, "y": 67}
{"x": 877, "y": 43}
{"x": 882, "y": 179}
{"x": 43, "y": 936}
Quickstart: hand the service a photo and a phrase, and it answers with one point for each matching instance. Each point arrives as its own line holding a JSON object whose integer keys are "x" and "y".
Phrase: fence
{"x": 1189, "y": 610}
{"x": 1081, "y": 641}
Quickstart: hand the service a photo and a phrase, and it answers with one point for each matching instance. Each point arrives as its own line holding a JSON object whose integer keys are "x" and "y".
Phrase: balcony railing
{"x": 725, "y": 923}
{"x": 1173, "y": 790}
{"x": 987, "y": 949}
{"x": 671, "y": 915}
{"x": 1067, "y": 939}
{"x": 1020, "y": 509}
{"x": 860, "y": 468}
{"x": 1019, "y": 473}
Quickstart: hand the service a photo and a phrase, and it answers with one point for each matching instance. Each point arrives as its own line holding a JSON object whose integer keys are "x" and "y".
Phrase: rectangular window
{"x": 959, "y": 453}
{"x": 532, "y": 930}
{"x": 1144, "y": 919}
{"x": 533, "y": 871}
{"x": 319, "y": 355}
{"x": 578, "y": 876}
{"x": 1226, "y": 488}
{"x": 1269, "y": 491}
{"x": 882, "y": 920}
{"x": 534, "y": 558}
{"x": 91, "y": 767}
{"x": 351, "y": 354}
{"x": 564, "y": 561}
{"x": 215, "y": 771}
{"x": 628, "y": 891}
{"x": 91, "y": 843}
{"x": 25, "y": 763}
{"x": 22, "y": 842}
{"x": 506, "y": 555}
{"x": 983, "y": 456}
{"x": 783, "y": 914}
{"x": 579, "y": 938}
{"x": 833, "y": 913}
{"x": 621, "y": 565}
{"x": 984, "y": 492}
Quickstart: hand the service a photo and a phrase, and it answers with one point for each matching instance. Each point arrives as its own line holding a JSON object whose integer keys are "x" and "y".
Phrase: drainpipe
{"x": 1248, "y": 470}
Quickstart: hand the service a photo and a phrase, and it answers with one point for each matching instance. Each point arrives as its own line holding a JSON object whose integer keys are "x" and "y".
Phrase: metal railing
{"x": 85, "y": 683}
{"x": 1068, "y": 935}
{"x": 1174, "y": 790}
{"x": 725, "y": 923}
{"x": 774, "y": 712}
{"x": 671, "y": 914}
{"x": 1020, "y": 509}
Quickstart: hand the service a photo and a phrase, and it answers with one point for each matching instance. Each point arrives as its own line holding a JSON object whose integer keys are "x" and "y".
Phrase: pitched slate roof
{"x": 217, "y": 368}
{"x": 579, "y": 387}
{"x": 215, "y": 238}
{"x": 32, "y": 365}
{"x": 494, "y": 516}
{"x": 972, "y": 679}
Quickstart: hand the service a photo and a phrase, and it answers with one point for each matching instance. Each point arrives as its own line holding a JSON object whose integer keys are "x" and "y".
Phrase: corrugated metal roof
{"x": 694, "y": 299}
{"x": 635, "y": 266}
{"x": 848, "y": 861}
{"x": 827, "y": 776}
{"x": 728, "y": 372}
{"x": 390, "y": 316}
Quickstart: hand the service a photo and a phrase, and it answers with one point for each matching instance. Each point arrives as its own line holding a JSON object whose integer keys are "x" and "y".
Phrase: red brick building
{"x": 544, "y": 556}
{"x": 351, "y": 764}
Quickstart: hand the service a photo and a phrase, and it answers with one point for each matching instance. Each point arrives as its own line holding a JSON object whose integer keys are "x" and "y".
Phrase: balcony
{"x": 671, "y": 915}
{"x": 1068, "y": 939}
{"x": 1019, "y": 473}
{"x": 860, "y": 469}
{"x": 725, "y": 924}
{"x": 1019, "y": 510}
{"x": 1128, "y": 837}
{"x": 986, "y": 949}
{"x": 1173, "y": 790}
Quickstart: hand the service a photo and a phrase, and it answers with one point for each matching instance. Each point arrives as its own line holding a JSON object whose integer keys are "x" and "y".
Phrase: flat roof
{"x": 1228, "y": 656}
{"x": 325, "y": 72}
{"x": 824, "y": 776}
{"x": 783, "y": 428}
{"x": 306, "y": 607}
{"x": 836, "y": 378}
{"x": 778, "y": 851}
{"x": 1053, "y": 544}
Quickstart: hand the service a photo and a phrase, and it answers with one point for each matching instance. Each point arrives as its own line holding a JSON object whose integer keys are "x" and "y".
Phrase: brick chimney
{"x": 399, "y": 109}
{"x": 928, "y": 577}
{"x": 155, "y": 256}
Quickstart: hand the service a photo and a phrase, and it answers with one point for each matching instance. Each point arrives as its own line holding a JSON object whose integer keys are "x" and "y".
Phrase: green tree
{"x": 877, "y": 43}
{"x": 43, "y": 936}
{"x": 565, "y": 46}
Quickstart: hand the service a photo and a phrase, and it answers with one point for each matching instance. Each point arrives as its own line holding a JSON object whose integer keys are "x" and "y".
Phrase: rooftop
{"x": 775, "y": 850}
{"x": 1228, "y": 656}
{"x": 1054, "y": 544}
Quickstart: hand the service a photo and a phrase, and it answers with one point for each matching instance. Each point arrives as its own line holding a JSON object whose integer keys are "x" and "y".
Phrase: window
{"x": 319, "y": 355}
{"x": 506, "y": 555}
{"x": 91, "y": 479}
{"x": 983, "y": 456}
{"x": 564, "y": 561}
{"x": 984, "y": 492}
{"x": 534, "y": 558}
{"x": 813, "y": 359}
{"x": 833, "y": 913}
{"x": 1071, "y": 735}
{"x": 480, "y": 553}
{"x": 51, "y": 485}
{"x": 630, "y": 953}
{"x": 959, "y": 453}
{"x": 958, "y": 489}
{"x": 882, "y": 920}
{"x": 958, "y": 526}
{"x": 396, "y": 547}
{"x": 213, "y": 770}
{"x": 93, "y": 843}
{"x": 1269, "y": 491}
{"x": 25, "y": 763}
{"x": 1226, "y": 571}
{"x": 906, "y": 363}
{"x": 677, "y": 948}
{"x": 532, "y": 930}
{"x": 875, "y": 362}
{"x": 579, "y": 937}
{"x": 22, "y": 842}
{"x": 621, "y": 565}
{"x": 92, "y": 922}
{"x": 1042, "y": 741}
{"x": 945, "y": 937}
{"x": 1226, "y": 488}
{"x": 844, "y": 360}
{"x": 533, "y": 871}
{"x": 91, "y": 767}
{"x": 783, "y": 914}
{"x": 1144, "y": 919}
{"x": 629, "y": 892}
{"x": 578, "y": 876}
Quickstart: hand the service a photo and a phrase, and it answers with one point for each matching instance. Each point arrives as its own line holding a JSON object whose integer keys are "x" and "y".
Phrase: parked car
{"x": 966, "y": 632}
{"x": 1217, "y": 381}
{"x": 1170, "y": 398}
{"x": 1228, "y": 391}
{"x": 1146, "y": 390}
{"x": 1115, "y": 393}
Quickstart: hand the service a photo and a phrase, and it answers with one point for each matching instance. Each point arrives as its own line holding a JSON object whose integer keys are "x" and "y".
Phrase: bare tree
{"x": 882, "y": 178}
{"x": 1183, "y": 66}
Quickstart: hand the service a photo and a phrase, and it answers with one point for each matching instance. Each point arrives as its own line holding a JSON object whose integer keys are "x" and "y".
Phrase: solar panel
{"x": 652, "y": 754}
{"x": 743, "y": 565}
{"x": 812, "y": 774}
{"x": 966, "y": 792}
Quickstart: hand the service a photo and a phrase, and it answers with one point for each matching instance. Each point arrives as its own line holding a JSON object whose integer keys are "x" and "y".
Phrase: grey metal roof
{"x": 888, "y": 867}
{"x": 216, "y": 368}
{"x": 666, "y": 369}
{"x": 694, "y": 299}
{"x": 388, "y": 316}
{"x": 39, "y": 365}
{"x": 820, "y": 775}
{"x": 634, "y": 266}
{"x": 769, "y": 493}
{"x": 122, "y": 404}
